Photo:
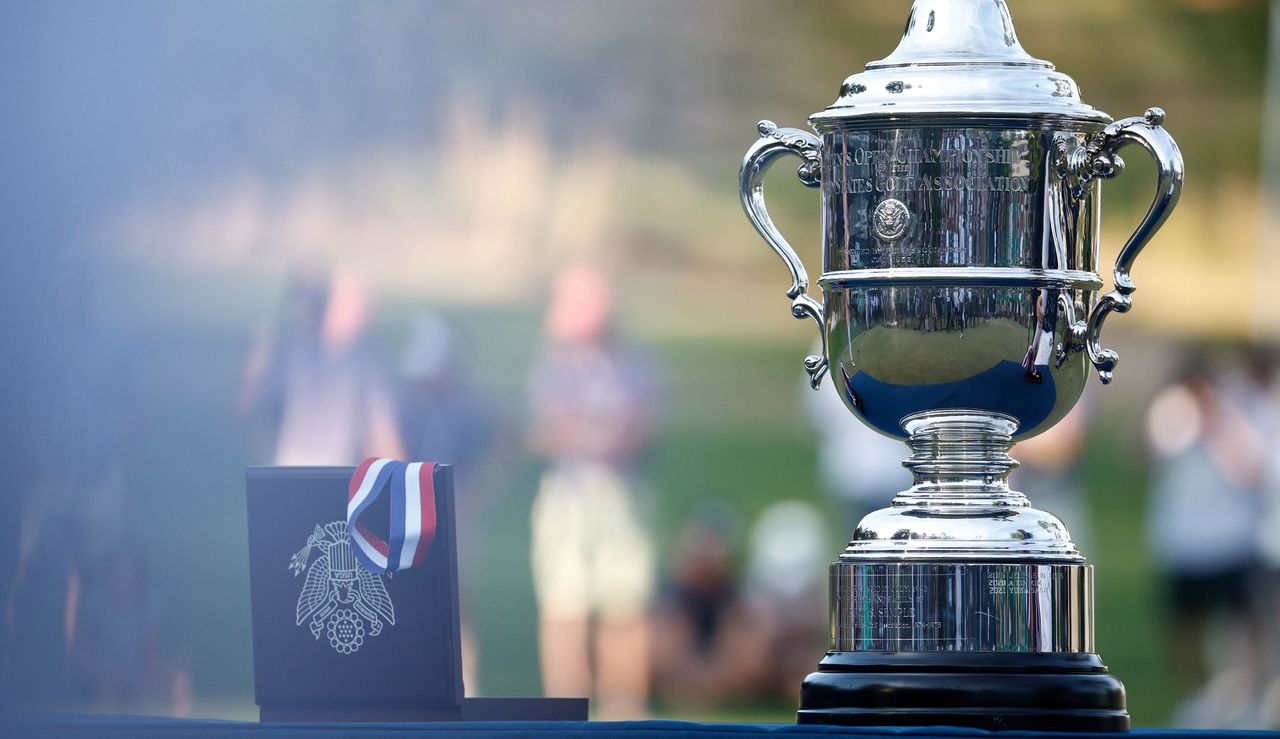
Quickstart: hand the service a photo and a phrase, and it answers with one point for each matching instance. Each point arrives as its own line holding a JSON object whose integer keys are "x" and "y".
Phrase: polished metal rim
{"x": 957, "y": 115}
{"x": 963, "y": 277}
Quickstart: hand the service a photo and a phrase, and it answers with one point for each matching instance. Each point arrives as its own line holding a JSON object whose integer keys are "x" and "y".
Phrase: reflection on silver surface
{"x": 962, "y": 277}
{"x": 878, "y": 607}
{"x": 898, "y": 351}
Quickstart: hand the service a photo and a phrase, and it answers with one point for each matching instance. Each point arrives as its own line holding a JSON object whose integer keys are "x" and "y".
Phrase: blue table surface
{"x": 145, "y": 726}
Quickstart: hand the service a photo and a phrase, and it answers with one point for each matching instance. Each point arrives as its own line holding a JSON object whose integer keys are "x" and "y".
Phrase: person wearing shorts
{"x": 592, "y": 554}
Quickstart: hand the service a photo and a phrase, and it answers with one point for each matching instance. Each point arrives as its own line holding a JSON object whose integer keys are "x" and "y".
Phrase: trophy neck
{"x": 960, "y": 458}
{"x": 960, "y": 507}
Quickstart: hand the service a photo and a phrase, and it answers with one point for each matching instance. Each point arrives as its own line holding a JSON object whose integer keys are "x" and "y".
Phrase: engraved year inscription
{"x": 893, "y": 607}
{"x": 1017, "y": 582}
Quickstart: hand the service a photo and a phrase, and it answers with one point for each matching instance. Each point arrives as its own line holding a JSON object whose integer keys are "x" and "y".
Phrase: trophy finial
{"x": 958, "y": 57}
{"x": 959, "y": 31}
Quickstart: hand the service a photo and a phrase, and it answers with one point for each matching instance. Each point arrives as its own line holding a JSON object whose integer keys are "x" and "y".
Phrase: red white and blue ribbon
{"x": 413, "y": 513}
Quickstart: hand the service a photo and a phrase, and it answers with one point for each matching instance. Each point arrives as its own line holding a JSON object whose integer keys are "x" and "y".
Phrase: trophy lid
{"x": 959, "y": 57}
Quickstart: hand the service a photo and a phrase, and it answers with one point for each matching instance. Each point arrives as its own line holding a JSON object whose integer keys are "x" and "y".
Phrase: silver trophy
{"x": 960, "y": 183}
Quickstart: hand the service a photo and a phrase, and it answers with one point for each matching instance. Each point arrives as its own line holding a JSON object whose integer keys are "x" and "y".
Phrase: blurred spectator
{"x": 116, "y": 662}
{"x": 787, "y": 588}
{"x": 72, "y": 488}
{"x": 1254, "y": 389}
{"x": 77, "y": 611}
{"x": 710, "y": 648}
{"x": 592, "y": 557}
{"x": 1208, "y": 462}
{"x": 314, "y": 379}
{"x": 1049, "y": 472}
{"x": 861, "y": 467}
{"x": 38, "y": 617}
{"x": 444, "y": 418}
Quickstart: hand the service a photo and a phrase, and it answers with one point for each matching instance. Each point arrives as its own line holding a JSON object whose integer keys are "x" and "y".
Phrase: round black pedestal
{"x": 984, "y": 690}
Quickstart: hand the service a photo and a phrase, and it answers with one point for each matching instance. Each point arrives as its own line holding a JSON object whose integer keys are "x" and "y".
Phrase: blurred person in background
{"x": 1050, "y": 475}
{"x": 1208, "y": 462}
{"x": 1253, "y": 387}
{"x": 444, "y": 418}
{"x": 78, "y": 611}
{"x": 592, "y": 554}
{"x": 39, "y": 623}
{"x": 117, "y": 664}
{"x": 709, "y": 651}
{"x": 314, "y": 381}
{"x": 787, "y": 588}
{"x": 72, "y": 488}
{"x": 861, "y": 467}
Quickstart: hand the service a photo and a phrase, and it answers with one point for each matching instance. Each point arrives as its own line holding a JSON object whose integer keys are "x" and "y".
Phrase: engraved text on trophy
{"x": 891, "y": 170}
{"x": 971, "y": 194}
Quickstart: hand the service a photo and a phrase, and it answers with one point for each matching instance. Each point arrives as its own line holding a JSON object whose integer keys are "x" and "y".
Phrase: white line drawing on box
{"x": 340, "y": 598}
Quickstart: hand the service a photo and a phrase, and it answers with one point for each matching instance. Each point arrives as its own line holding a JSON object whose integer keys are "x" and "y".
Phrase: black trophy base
{"x": 983, "y": 690}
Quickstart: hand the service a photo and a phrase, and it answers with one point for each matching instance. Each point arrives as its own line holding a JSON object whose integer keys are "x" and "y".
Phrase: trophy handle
{"x": 1098, "y": 159}
{"x": 775, "y": 142}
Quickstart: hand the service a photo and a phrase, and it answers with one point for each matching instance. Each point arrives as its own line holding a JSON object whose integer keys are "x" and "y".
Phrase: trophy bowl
{"x": 897, "y": 351}
{"x": 963, "y": 311}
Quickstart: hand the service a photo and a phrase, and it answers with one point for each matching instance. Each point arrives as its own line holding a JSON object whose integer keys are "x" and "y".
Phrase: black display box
{"x": 335, "y": 644}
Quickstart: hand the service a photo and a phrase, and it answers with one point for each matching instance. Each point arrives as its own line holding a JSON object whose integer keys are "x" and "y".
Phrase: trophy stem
{"x": 960, "y": 458}
{"x": 960, "y": 507}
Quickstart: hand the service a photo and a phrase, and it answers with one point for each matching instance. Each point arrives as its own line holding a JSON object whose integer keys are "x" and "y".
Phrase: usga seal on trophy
{"x": 960, "y": 182}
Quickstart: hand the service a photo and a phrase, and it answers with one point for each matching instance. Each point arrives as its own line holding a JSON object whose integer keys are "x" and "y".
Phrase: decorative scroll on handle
{"x": 1099, "y": 159}
{"x": 776, "y": 142}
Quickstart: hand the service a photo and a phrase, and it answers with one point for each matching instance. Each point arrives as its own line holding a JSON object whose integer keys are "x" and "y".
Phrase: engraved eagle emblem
{"x": 340, "y": 598}
{"x": 891, "y": 219}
